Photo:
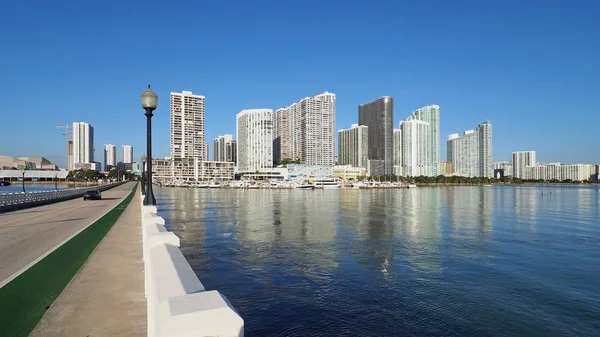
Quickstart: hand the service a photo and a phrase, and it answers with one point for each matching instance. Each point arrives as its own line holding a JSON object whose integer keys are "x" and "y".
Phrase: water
{"x": 449, "y": 261}
{"x": 16, "y": 187}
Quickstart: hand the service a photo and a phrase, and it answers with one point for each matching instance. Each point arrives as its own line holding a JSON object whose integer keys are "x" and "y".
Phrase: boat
{"x": 411, "y": 186}
{"x": 326, "y": 182}
{"x": 5, "y": 183}
{"x": 305, "y": 186}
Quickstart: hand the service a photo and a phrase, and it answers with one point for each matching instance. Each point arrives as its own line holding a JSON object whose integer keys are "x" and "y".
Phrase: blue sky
{"x": 530, "y": 67}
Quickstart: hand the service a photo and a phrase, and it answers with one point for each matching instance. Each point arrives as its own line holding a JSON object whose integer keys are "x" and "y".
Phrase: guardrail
{"x": 14, "y": 201}
{"x": 178, "y": 304}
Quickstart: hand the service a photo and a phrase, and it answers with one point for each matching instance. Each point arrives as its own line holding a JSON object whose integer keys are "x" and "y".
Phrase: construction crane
{"x": 68, "y": 167}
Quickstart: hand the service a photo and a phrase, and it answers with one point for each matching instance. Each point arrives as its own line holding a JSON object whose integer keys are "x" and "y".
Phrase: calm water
{"x": 16, "y": 187}
{"x": 453, "y": 261}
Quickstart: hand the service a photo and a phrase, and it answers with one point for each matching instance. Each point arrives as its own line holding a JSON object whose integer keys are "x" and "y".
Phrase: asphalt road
{"x": 27, "y": 234}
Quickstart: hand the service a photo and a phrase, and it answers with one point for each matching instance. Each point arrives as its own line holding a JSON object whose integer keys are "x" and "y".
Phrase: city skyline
{"x": 475, "y": 72}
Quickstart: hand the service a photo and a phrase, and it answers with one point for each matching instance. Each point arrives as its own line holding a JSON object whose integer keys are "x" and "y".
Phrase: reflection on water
{"x": 458, "y": 261}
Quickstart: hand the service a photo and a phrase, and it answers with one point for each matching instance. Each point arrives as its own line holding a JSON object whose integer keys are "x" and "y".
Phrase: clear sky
{"x": 530, "y": 67}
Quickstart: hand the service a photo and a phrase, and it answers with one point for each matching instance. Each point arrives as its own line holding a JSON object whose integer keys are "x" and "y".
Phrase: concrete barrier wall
{"x": 178, "y": 304}
{"x": 15, "y": 201}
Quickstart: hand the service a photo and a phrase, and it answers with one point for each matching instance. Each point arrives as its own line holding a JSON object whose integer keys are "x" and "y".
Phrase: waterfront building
{"x": 502, "y": 169}
{"x": 520, "y": 160}
{"x": 110, "y": 156}
{"x": 431, "y": 115}
{"x": 191, "y": 169}
{"x": 305, "y": 131}
{"x": 308, "y": 170}
{"x": 30, "y": 163}
{"x": 254, "y": 133}
{"x": 206, "y": 152}
{"x": 187, "y": 126}
{"x": 416, "y": 159}
{"x": 127, "y": 154}
{"x": 378, "y": 116}
{"x": 83, "y": 143}
{"x": 471, "y": 153}
{"x": 556, "y": 171}
{"x": 225, "y": 148}
{"x": 353, "y": 146}
{"x": 397, "y": 148}
{"x": 445, "y": 168}
{"x": 349, "y": 172}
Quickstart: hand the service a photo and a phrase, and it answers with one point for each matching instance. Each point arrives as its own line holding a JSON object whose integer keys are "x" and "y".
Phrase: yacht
{"x": 411, "y": 186}
{"x": 327, "y": 183}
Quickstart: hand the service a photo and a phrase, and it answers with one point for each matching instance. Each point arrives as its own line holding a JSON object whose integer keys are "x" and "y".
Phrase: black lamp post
{"x": 143, "y": 174}
{"x": 56, "y": 181}
{"x": 23, "y": 173}
{"x": 149, "y": 103}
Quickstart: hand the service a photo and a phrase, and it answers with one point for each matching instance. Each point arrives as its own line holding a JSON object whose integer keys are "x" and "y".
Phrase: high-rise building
{"x": 520, "y": 160}
{"x": 484, "y": 131}
{"x": 378, "y": 116}
{"x": 416, "y": 160}
{"x": 305, "y": 131}
{"x": 225, "y": 149}
{"x": 353, "y": 146}
{"x": 83, "y": 143}
{"x": 187, "y": 126}
{"x": 254, "y": 133}
{"x": 110, "y": 156}
{"x": 471, "y": 153}
{"x": 397, "y": 148}
{"x": 127, "y": 154}
{"x": 431, "y": 115}
{"x": 206, "y": 155}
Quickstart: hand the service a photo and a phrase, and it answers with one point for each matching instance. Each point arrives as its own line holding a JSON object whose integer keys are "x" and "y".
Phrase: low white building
{"x": 191, "y": 169}
{"x": 307, "y": 170}
{"x": 574, "y": 172}
{"x": 348, "y": 172}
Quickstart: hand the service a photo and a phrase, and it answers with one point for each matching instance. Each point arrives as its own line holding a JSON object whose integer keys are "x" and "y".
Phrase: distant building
{"x": 502, "y": 169}
{"x": 556, "y": 171}
{"x": 378, "y": 116}
{"x": 29, "y": 163}
{"x": 206, "y": 152}
{"x": 520, "y": 160}
{"x": 191, "y": 169}
{"x": 254, "y": 133}
{"x": 187, "y": 126}
{"x": 127, "y": 154}
{"x": 83, "y": 143}
{"x": 225, "y": 149}
{"x": 353, "y": 146}
{"x": 308, "y": 170}
{"x": 397, "y": 148}
{"x": 110, "y": 156}
{"x": 375, "y": 167}
{"x": 445, "y": 168}
{"x": 471, "y": 153}
{"x": 416, "y": 158}
{"x": 431, "y": 115}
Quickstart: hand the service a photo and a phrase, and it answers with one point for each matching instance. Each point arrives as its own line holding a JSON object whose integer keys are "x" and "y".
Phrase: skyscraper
{"x": 484, "y": 131}
{"x": 378, "y": 116}
{"x": 254, "y": 133}
{"x": 471, "y": 153}
{"x": 206, "y": 154}
{"x": 431, "y": 115}
{"x": 306, "y": 130}
{"x": 353, "y": 146}
{"x": 225, "y": 148}
{"x": 520, "y": 160}
{"x": 127, "y": 154}
{"x": 187, "y": 126}
{"x": 416, "y": 159}
{"x": 110, "y": 156}
{"x": 398, "y": 151}
{"x": 83, "y": 143}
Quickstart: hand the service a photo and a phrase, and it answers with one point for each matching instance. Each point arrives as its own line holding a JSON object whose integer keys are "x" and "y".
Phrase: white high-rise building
{"x": 83, "y": 143}
{"x": 110, "y": 156}
{"x": 127, "y": 154}
{"x": 471, "y": 153}
{"x": 520, "y": 160}
{"x": 254, "y": 133}
{"x": 206, "y": 154}
{"x": 397, "y": 147}
{"x": 353, "y": 146}
{"x": 416, "y": 160}
{"x": 306, "y": 130}
{"x": 431, "y": 115}
{"x": 187, "y": 126}
{"x": 225, "y": 149}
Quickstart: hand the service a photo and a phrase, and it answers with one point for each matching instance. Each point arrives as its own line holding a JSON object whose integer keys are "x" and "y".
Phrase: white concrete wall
{"x": 178, "y": 304}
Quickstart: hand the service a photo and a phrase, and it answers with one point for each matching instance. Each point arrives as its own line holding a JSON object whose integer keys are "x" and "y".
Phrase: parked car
{"x": 92, "y": 195}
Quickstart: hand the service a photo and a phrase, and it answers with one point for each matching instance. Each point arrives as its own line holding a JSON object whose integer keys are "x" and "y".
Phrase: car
{"x": 92, "y": 195}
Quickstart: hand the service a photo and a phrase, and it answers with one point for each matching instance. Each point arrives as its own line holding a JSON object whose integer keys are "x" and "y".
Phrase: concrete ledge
{"x": 178, "y": 303}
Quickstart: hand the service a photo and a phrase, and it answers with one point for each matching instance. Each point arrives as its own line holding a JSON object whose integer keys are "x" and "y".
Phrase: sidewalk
{"x": 106, "y": 296}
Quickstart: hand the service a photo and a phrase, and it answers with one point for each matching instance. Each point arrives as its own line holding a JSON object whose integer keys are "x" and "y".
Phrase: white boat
{"x": 326, "y": 182}
{"x": 332, "y": 186}
{"x": 305, "y": 186}
{"x": 411, "y": 186}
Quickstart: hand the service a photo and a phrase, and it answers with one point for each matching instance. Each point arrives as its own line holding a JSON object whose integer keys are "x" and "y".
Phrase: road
{"x": 28, "y": 234}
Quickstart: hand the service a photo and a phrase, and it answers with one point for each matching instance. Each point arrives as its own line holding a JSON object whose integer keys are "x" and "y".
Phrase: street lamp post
{"x": 56, "y": 181}
{"x": 149, "y": 103}
{"x": 143, "y": 174}
{"x": 23, "y": 173}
